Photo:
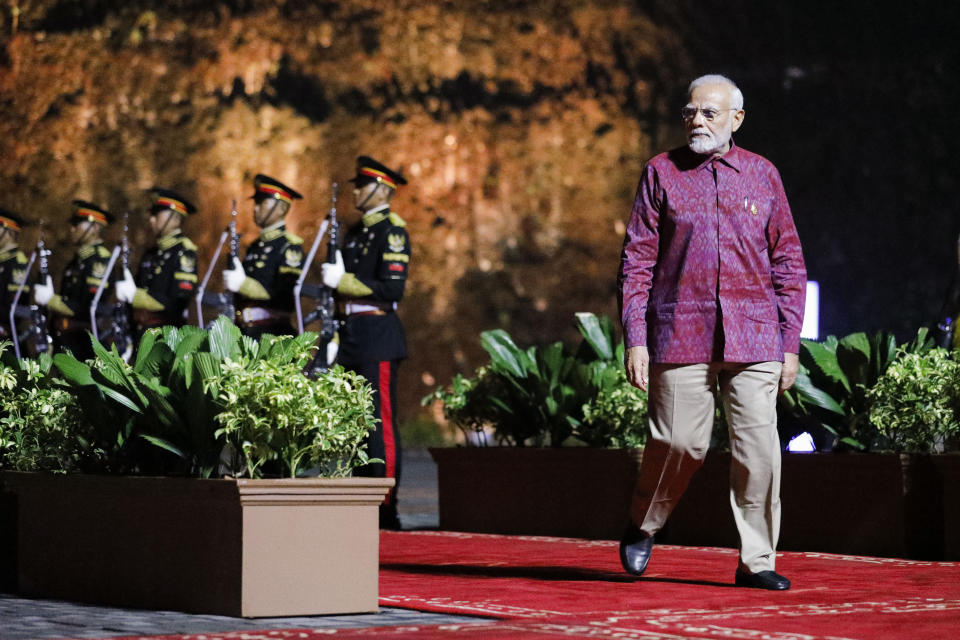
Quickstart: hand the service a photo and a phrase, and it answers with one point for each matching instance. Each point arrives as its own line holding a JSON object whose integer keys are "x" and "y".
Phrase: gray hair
{"x": 736, "y": 96}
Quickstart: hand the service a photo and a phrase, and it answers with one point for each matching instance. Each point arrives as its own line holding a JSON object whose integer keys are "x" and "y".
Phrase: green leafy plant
{"x": 832, "y": 384}
{"x": 159, "y": 414}
{"x": 273, "y": 412}
{"x": 916, "y": 402}
{"x": 549, "y": 395}
{"x": 40, "y": 423}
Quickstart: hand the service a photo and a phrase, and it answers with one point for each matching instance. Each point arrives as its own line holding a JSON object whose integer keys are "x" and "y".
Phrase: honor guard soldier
{"x": 167, "y": 278}
{"x": 369, "y": 278}
{"x": 265, "y": 279}
{"x": 71, "y": 307}
{"x": 13, "y": 267}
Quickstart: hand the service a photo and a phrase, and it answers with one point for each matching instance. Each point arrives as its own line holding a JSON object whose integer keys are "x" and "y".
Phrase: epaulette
{"x": 189, "y": 244}
{"x": 21, "y": 257}
{"x": 102, "y": 251}
{"x": 396, "y": 220}
{"x": 293, "y": 238}
{"x": 273, "y": 234}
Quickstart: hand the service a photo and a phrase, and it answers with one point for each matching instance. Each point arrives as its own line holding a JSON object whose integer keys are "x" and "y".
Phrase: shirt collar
{"x": 732, "y": 158}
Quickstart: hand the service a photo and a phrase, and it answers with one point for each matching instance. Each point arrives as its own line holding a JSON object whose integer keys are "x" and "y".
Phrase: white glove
{"x": 332, "y": 349}
{"x": 43, "y": 293}
{"x": 233, "y": 278}
{"x": 125, "y": 289}
{"x": 333, "y": 272}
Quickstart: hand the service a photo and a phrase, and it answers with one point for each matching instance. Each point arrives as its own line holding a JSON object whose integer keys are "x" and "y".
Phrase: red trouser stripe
{"x": 386, "y": 421}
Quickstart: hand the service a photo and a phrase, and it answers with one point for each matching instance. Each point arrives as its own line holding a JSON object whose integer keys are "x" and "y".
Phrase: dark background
{"x": 852, "y": 102}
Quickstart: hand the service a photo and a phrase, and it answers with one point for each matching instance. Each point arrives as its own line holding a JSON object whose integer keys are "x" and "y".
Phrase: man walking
{"x": 712, "y": 285}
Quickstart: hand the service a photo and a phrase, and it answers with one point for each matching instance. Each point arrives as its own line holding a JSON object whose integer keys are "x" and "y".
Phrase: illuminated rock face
{"x": 521, "y": 126}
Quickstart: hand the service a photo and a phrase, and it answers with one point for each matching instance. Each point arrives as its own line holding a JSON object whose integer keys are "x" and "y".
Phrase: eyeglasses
{"x": 689, "y": 113}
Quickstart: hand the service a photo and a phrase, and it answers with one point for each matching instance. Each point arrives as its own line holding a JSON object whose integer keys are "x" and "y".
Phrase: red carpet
{"x": 552, "y": 588}
{"x": 533, "y": 587}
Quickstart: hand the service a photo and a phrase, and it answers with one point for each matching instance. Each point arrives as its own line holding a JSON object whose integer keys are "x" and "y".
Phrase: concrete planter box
{"x": 876, "y": 504}
{"x": 247, "y": 548}
{"x": 578, "y": 492}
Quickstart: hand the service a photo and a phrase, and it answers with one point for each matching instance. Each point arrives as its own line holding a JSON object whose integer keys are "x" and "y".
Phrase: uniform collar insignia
{"x": 273, "y": 232}
{"x": 375, "y": 215}
{"x": 169, "y": 240}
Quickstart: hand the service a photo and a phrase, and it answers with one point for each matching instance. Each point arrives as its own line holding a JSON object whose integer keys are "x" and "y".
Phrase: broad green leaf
{"x": 504, "y": 354}
{"x": 163, "y": 444}
{"x": 813, "y": 395}
{"x": 825, "y": 359}
{"x": 593, "y": 332}
{"x": 73, "y": 370}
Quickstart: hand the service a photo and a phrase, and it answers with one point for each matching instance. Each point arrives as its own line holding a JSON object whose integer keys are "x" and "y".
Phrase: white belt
{"x": 357, "y": 307}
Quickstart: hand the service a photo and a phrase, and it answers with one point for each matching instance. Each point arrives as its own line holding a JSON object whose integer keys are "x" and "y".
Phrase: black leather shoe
{"x": 635, "y": 548}
{"x": 764, "y": 580}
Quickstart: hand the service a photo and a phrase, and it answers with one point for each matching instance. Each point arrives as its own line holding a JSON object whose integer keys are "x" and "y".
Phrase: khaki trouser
{"x": 681, "y": 421}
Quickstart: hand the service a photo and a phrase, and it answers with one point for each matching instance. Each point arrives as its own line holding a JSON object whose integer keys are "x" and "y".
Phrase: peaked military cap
{"x": 88, "y": 212}
{"x": 170, "y": 199}
{"x": 267, "y": 187}
{"x": 369, "y": 170}
{"x": 10, "y": 220}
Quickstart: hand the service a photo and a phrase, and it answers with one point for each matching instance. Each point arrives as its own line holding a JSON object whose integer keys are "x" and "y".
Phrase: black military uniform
{"x": 167, "y": 277}
{"x": 376, "y": 256}
{"x": 275, "y": 260}
{"x": 81, "y": 278}
{"x": 13, "y": 272}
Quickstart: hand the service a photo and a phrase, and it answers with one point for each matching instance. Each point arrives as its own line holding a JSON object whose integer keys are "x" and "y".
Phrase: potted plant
{"x": 196, "y": 405}
{"x": 571, "y": 427}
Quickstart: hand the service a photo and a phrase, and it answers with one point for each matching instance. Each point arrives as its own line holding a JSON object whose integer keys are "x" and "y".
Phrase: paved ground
{"x": 23, "y": 619}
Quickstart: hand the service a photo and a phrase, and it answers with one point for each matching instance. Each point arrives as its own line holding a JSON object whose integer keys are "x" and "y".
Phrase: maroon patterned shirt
{"x": 711, "y": 267}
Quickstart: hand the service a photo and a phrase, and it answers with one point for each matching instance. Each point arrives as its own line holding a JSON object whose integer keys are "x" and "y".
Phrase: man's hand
{"x": 333, "y": 272}
{"x": 233, "y": 278}
{"x": 43, "y": 293}
{"x": 637, "y": 363}
{"x": 791, "y": 365}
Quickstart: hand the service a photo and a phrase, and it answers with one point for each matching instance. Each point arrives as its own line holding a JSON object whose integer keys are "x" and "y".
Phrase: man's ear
{"x": 738, "y": 119}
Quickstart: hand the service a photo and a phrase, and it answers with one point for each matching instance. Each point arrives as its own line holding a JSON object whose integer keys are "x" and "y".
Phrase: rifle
{"x": 36, "y": 334}
{"x": 230, "y": 302}
{"x": 222, "y": 300}
{"x": 103, "y": 284}
{"x": 326, "y": 305}
{"x": 298, "y": 288}
{"x": 120, "y": 314}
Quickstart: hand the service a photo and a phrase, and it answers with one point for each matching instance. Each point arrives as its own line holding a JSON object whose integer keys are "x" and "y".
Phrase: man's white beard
{"x": 706, "y": 143}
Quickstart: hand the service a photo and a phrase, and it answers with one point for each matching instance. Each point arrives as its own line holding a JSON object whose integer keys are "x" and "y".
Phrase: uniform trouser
{"x": 682, "y": 404}
{"x": 384, "y": 443}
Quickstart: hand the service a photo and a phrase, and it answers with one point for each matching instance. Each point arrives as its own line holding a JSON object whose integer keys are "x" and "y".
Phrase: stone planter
{"x": 578, "y": 492}
{"x": 873, "y": 504}
{"x": 232, "y": 547}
